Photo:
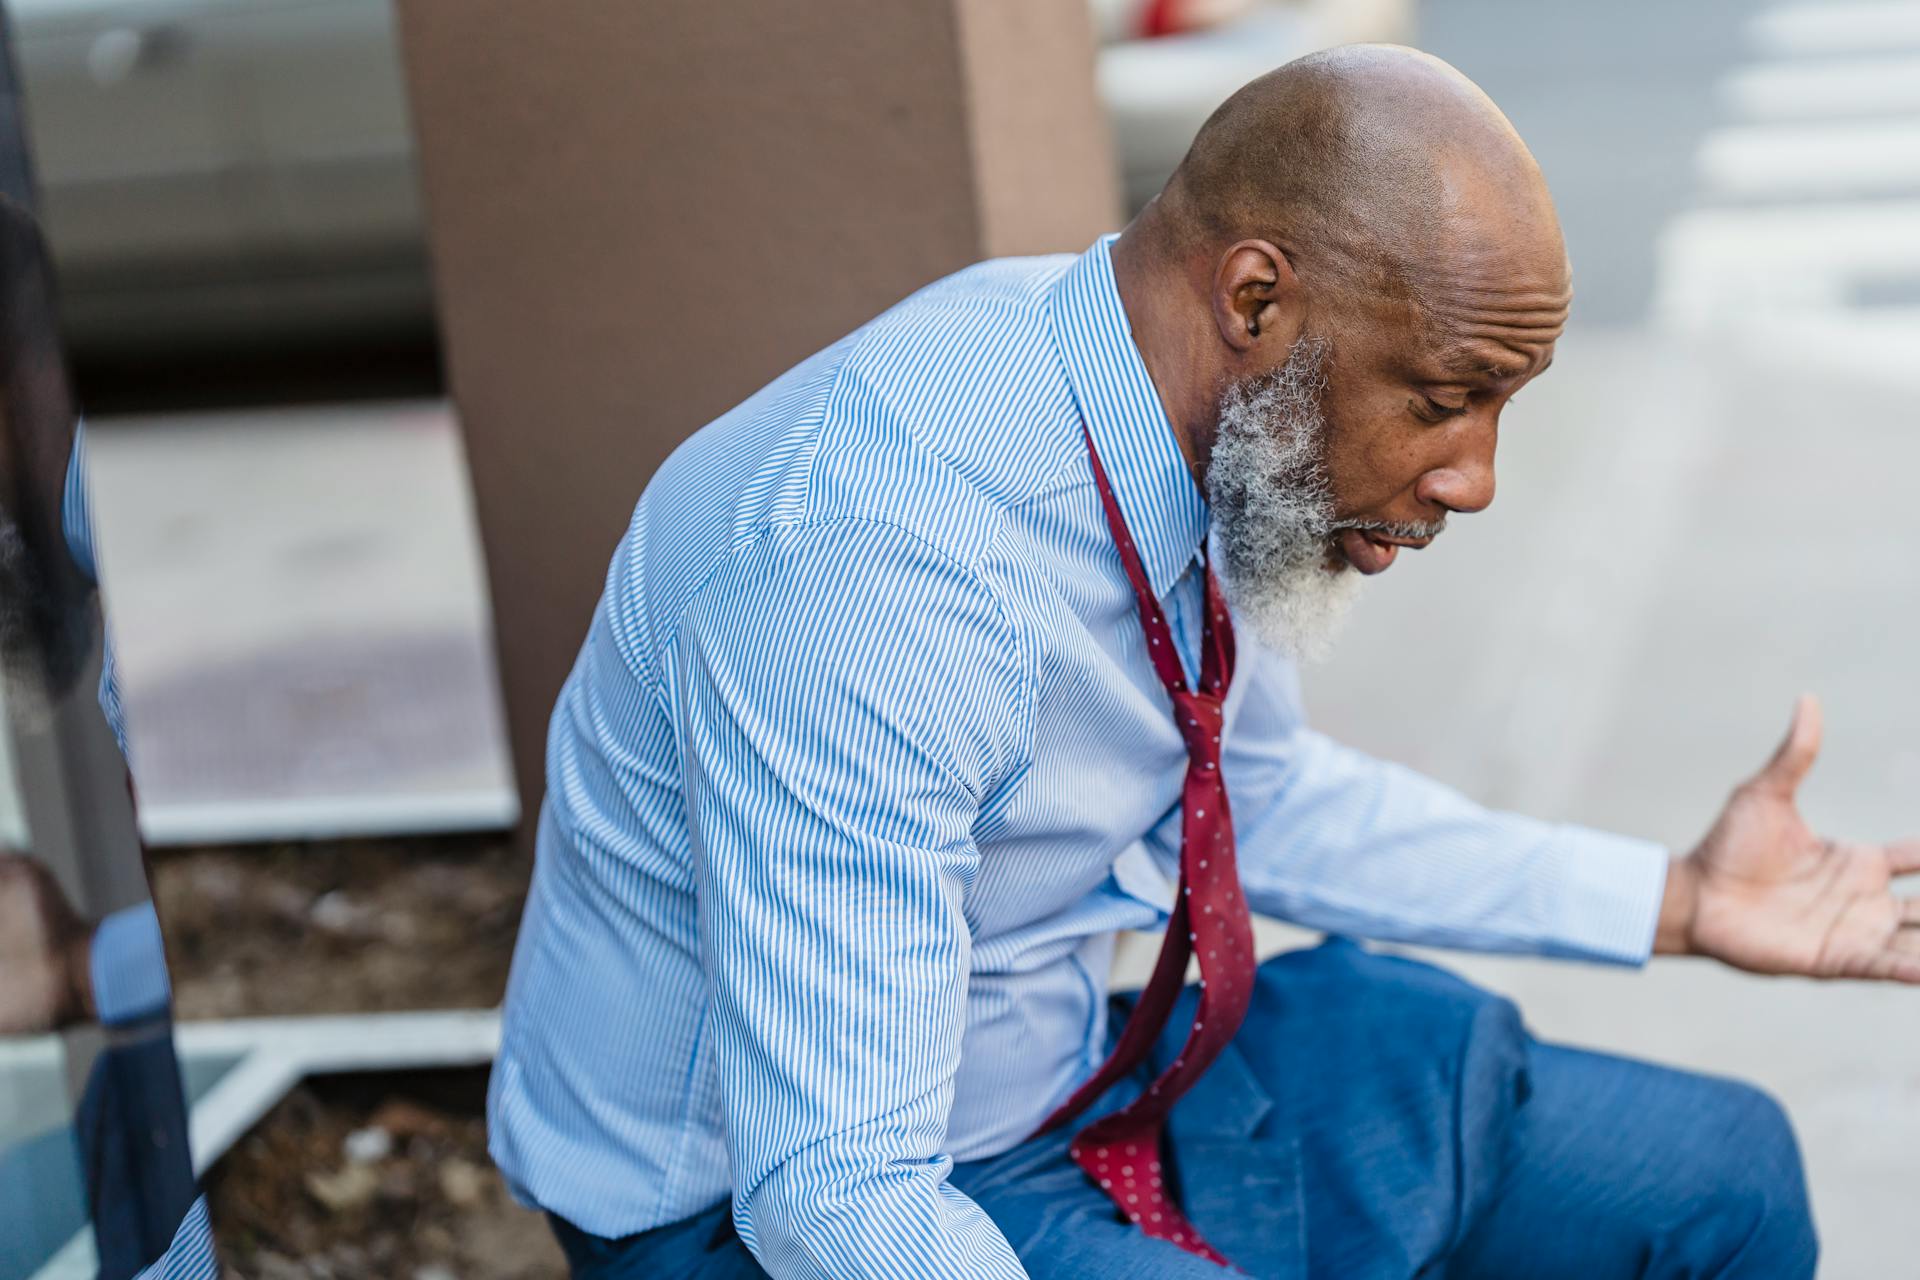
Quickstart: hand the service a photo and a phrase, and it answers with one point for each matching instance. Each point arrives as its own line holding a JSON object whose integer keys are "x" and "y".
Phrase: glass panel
{"x": 96, "y": 1174}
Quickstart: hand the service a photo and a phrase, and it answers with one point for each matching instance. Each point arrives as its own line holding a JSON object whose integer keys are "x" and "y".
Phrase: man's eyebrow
{"x": 1473, "y": 364}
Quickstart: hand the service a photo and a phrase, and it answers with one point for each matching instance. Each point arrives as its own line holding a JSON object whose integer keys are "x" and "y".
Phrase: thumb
{"x": 1791, "y": 760}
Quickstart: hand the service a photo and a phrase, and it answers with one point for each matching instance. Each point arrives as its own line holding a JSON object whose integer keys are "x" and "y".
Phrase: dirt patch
{"x": 384, "y": 1176}
{"x": 375, "y": 1174}
{"x": 347, "y": 926}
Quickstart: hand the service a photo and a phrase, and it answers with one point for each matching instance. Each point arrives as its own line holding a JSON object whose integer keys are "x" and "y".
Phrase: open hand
{"x": 1770, "y": 896}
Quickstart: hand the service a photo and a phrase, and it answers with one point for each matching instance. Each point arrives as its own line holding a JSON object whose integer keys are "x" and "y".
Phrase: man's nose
{"x": 1464, "y": 484}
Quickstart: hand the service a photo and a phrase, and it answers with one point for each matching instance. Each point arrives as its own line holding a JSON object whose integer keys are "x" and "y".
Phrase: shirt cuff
{"x": 1610, "y": 891}
{"x": 128, "y": 966}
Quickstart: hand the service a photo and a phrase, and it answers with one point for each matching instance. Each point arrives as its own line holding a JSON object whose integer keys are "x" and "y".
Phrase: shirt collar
{"x": 1163, "y": 507}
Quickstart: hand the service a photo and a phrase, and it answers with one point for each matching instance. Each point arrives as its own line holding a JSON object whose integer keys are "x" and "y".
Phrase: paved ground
{"x": 1704, "y": 510}
{"x": 300, "y": 607}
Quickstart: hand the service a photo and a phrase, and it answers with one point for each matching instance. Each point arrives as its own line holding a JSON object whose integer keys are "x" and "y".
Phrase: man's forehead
{"x": 1515, "y": 305}
{"x": 1480, "y": 329}
{"x": 1511, "y": 291}
{"x": 1497, "y": 332}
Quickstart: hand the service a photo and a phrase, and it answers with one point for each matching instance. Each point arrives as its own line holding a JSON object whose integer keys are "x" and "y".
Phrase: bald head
{"x": 1352, "y": 272}
{"x": 1373, "y": 165}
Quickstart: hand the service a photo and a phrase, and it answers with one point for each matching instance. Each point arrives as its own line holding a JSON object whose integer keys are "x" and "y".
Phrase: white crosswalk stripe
{"x": 1807, "y": 89}
{"x": 1871, "y": 26}
{"x": 1807, "y": 228}
{"x": 1859, "y": 157}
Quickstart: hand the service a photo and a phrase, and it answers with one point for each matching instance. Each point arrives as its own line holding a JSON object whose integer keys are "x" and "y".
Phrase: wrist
{"x": 1679, "y": 906}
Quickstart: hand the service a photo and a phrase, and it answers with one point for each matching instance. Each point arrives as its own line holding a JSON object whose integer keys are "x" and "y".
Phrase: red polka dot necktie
{"x": 1122, "y": 1151}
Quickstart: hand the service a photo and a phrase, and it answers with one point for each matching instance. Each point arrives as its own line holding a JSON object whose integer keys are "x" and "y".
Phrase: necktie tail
{"x": 1124, "y": 1152}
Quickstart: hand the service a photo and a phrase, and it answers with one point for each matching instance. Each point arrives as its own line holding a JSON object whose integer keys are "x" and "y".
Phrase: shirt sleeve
{"x": 76, "y": 522}
{"x": 191, "y": 1254}
{"x": 1333, "y": 839}
{"x": 128, "y": 966}
{"x": 848, "y": 697}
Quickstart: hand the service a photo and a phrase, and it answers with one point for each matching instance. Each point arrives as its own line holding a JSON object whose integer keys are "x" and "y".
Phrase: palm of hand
{"x": 1773, "y": 897}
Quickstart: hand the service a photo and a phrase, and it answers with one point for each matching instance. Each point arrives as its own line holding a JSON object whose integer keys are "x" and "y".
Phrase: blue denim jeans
{"x": 1376, "y": 1117}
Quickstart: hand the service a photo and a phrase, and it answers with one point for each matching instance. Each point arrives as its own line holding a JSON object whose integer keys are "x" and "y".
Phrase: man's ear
{"x": 1257, "y": 300}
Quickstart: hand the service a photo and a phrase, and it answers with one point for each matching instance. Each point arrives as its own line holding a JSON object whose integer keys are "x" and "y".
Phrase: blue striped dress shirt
{"x": 862, "y": 765}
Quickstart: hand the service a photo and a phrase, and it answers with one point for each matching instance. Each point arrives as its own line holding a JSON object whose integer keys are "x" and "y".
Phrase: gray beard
{"x": 1272, "y": 509}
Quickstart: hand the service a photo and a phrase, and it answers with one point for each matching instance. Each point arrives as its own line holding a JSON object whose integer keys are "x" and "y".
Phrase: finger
{"x": 1794, "y": 756}
{"x": 1903, "y": 857}
{"x": 1893, "y": 966}
{"x": 1910, "y": 911}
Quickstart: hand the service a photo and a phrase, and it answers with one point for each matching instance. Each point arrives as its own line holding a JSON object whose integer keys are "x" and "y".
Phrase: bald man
{"x": 971, "y": 641}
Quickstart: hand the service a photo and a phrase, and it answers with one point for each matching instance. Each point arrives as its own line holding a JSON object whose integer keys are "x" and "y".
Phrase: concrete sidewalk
{"x": 300, "y": 609}
{"x": 1704, "y": 510}
{"x": 1685, "y": 539}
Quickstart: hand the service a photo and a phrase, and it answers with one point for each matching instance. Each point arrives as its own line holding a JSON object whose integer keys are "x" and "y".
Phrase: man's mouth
{"x": 1371, "y": 552}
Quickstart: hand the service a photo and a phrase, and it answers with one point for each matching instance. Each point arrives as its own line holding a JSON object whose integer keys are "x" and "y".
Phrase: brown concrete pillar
{"x": 640, "y": 213}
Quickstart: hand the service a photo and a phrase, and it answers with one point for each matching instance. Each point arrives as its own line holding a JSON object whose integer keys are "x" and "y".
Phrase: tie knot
{"x": 1198, "y": 717}
{"x": 1199, "y": 705}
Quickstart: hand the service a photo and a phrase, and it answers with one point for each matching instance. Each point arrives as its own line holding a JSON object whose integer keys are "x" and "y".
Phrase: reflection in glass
{"x": 95, "y": 1167}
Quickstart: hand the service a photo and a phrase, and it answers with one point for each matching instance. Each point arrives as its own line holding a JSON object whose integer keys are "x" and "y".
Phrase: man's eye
{"x": 1433, "y": 411}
